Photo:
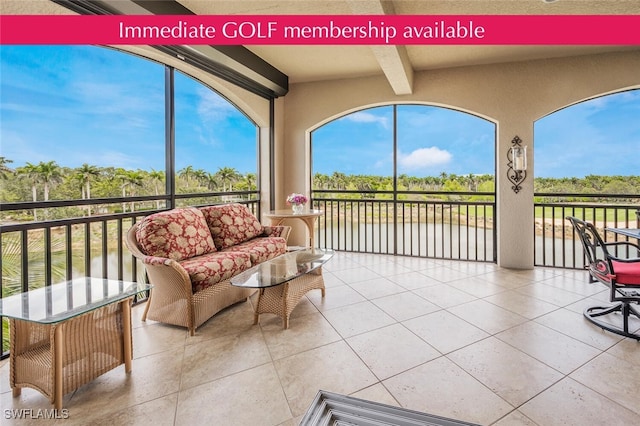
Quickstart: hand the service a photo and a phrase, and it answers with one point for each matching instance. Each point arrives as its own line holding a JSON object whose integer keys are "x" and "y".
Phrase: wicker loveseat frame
{"x": 173, "y": 299}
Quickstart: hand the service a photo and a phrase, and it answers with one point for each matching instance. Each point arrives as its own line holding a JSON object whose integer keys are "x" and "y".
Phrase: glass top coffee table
{"x": 65, "y": 335}
{"x": 282, "y": 281}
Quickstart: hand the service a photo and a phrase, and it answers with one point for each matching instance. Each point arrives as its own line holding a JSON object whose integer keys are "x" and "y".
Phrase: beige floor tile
{"x": 251, "y": 397}
{"x": 445, "y": 274}
{"x": 612, "y": 377}
{"x": 377, "y": 287}
{"x": 181, "y": 379}
{"x": 232, "y": 321}
{"x": 157, "y": 338}
{"x": 444, "y": 295}
{"x": 508, "y": 278}
{"x": 627, "y": 350}
{"x": 391, "y": 350}
{"x": 339, "y": 262}
{"x": 550, "y": 294}
{"x": 599, "y": 299}
{"x": 415, "y": 263}
{"x": 577, "y": 326}
{"x": 553, "y": 348}
{"x": 537, "y": 274}
{"x": 477, "y": 287}
{"x": 368, "y": 259}
{"x": 223, "y": 356}
{"x": 579, "y": 286}
{"x": 304, "y": 333}
{"x": 358, "y": 318}
{"x": 442, "y": 388}
{"x": 487, "y": 316}
{"x": 294, "y": 421}
{"x": 335, "y": 298}
{"x": 386, "y": 269}
{"x": 404, "y": 306}
{"x": 528, "y": 307}
{"x": 151, "y": 377}
{"x": 571, "y": 403}
{"x": 515, "y": 418}
{"x": 354, "y": 275}
{"x": 376, "y": 393}
{"x": 304, "y": 307}
{"x": 330, "y": 280}
{"x": 158, "y": 412}
{"x": 510, "y": 373}
{"x": 413, "y": 280}
{"x": 334, "y": 368}
{"x": 473, "y": 268}
{"x": 445, "y": 331}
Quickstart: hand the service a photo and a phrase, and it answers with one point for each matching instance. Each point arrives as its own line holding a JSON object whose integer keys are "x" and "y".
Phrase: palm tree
{"x": 200, "y": 176}
{"x": 320, "y": 181}
{"x": 129, "y": 178}
{"x": 212, "y": 181}
{"x": 338, "y": 180}
{"x": 227, "y": 175}
{"x": 49, "y": 174}
{"x": 157, "y": 177}
{"x": 4, "y": 169}
{"x": 186, "y": 173}
{"x": 250, "y": 180}
{"x": 31, "y": 171}
{"x": 83, "y": 175}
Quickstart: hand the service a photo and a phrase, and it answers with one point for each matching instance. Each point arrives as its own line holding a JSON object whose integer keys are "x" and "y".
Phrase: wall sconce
{"x": 517, "y": 163}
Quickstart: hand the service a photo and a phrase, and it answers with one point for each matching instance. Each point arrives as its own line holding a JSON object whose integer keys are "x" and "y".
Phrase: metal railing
{"x": 556, "y": 243}
{"x": 445, "y": 225}
{"x": 42, "y": 253}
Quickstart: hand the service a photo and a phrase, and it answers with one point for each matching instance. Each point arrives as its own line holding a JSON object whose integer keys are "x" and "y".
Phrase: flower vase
{"x": 297, "y": 208}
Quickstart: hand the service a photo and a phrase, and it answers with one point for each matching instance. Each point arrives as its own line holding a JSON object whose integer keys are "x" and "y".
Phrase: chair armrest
{"x": 277, "y": 231}
{"x": 623, "y": 244}
{"x": 154, "y": 260}
{"x": 625, "y": 259}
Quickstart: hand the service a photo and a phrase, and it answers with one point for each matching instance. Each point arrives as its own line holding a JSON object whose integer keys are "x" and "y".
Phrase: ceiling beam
{"x": 393, "y": 60}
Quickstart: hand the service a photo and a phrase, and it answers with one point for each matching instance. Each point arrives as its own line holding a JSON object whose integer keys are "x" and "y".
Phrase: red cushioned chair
{"x": 621, "y": 275}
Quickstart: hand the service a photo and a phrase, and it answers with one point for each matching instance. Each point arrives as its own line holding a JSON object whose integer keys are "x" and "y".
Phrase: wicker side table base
{"x": 282, "y": 299}
{"x": 56, "y": 359}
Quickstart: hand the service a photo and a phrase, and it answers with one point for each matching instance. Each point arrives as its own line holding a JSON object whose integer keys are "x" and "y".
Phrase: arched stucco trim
{"x": 342, "y": 114}
{"x": 589, "y": 98}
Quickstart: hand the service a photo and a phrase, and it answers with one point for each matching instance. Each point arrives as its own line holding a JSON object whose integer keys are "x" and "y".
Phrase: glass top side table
{"x": 308, "y": 216}
{"x": 65, "y": 335}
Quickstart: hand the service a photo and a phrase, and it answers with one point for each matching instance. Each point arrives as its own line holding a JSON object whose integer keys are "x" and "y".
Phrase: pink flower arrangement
{"x": 297, "y": 199}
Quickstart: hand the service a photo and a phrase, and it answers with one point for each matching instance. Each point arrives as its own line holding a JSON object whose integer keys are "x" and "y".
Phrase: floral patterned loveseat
{"x": 191, "y": 253}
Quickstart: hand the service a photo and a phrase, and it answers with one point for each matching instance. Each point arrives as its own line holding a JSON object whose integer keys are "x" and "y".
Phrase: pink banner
{"x": 322, "y": 29}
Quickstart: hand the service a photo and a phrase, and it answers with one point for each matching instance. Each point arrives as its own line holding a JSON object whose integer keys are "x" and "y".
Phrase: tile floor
{"x": 463, "y": 340}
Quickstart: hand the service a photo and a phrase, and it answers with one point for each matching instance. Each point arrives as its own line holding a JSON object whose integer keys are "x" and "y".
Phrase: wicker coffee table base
{"x": 282, "y": 299}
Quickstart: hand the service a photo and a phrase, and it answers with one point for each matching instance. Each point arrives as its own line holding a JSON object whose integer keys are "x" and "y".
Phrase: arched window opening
{"x": 586, "y": 165}
{"x": 216, "y": 145}
{"x": 407, "y": 179}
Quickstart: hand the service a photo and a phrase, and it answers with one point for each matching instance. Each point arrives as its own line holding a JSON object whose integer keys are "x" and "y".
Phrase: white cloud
{"x": 366, "y": 117}
{"x": 422, "y": 158}
{"x": 212, "y": 106}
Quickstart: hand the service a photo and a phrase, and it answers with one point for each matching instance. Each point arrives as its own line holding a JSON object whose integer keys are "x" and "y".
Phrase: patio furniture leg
{"x": 126, "y": 331}
{"x": 57, "y": 368}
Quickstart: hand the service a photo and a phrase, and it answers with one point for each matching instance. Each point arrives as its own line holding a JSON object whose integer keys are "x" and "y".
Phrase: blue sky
{"x": 81, "y": 104}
